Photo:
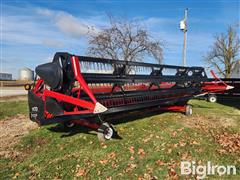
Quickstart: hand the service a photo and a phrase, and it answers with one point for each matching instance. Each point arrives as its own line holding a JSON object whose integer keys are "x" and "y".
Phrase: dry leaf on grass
{"x": 160, "y": 163}
{"x": 172, "y": 174}
{"x": 16, "y": 175}
{"x": 103, "y": 162}
{"x": 195, "y": 143}
{"x": 169, "y": 151}
{"x": 182, "y": 143}
{"x": 229, "y": 142}
{"x": 130, "y": 167}
{"x": 104, "y": 146}
{"x": 112, "y": 155}
{"x": 174, "y": 133}
{"x": 80, "y": 172}
{"x": 131, "y": 149}
{"x": 132, "y": 158}
{"x": 114, "y": 165}
{"x": 141, "y": 152}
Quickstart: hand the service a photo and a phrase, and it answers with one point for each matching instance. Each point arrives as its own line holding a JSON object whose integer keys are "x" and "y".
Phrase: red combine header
{"x": 81, "y": 90}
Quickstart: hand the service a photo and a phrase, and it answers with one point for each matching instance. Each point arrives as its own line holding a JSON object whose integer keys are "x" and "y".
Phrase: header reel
{"x": 81, "y": 89}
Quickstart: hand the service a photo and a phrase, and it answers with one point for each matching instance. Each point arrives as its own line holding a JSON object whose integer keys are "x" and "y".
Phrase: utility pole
{"x": 183, "y": 27}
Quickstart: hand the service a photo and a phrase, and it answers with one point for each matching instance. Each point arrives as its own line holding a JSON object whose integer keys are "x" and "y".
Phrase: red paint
{"x": 69, "y": 99}
{"x": 174, "y": 108}
{"x": 78, "y": 76}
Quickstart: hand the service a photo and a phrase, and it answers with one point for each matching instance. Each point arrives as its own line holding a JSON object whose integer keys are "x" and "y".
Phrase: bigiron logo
{"x": 202, "y": 171}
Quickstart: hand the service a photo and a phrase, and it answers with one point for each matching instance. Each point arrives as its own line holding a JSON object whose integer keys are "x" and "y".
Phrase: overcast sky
{"x": 32, "y": 31}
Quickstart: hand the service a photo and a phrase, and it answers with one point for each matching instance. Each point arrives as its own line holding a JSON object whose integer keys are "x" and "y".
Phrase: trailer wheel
{"x": 105, "y": 132}
{"x": 69, "y": 125}
{"x": 188, "y": 110}
{"x": 212, "y": 98}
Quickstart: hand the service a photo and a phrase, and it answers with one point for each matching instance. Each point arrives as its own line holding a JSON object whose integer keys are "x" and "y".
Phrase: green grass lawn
{"x": 151, "y": 147}
{"x": 9, "y": 109}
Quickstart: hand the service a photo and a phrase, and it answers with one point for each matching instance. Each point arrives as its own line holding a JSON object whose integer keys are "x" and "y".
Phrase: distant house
{"x": 236, "y": 70}
{"x": 5, "y": 76}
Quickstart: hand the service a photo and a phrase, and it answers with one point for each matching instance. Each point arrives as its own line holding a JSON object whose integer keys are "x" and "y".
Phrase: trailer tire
{"x": 212, "y": 98}
{"x": 188, "y": 110}
{"x": 69, "y": 125}
{"x": 105, "y": 132}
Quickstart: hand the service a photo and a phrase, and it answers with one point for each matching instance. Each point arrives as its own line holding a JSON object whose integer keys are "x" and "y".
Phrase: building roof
{"x": 5, "y": 73}
{"x": 26, "y": 69}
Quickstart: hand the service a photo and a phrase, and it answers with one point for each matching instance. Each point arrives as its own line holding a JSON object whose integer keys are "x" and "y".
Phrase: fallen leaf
{"x": 114, "y": 165}
{"x": 175, "y": 145}
{"x": 141, "y": 152}
{"x": 169, "y": 151}
{"x": 16, "y": 175}
{"x": 160, "y": 163}
{"x": 131, "y": 149}
{"x": 112, "y": 155}
{"x": 195, "y": 143}
{"x": 182, "y": 143}
{"x": 174, "y": 134}
{"x": 130, "y": 167}
{"x": 132, "y": 158}
{"x": 185, "y": 156}
{"x": 103, "y": 162}
{"x": 80, "y": 172}
{"x": 146, "y": 140}
{"x": 172, "y": 174}
{"x": 104, "y": 146}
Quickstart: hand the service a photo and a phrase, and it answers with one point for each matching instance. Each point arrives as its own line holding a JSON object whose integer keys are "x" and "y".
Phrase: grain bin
{"x": 26, "y": 74}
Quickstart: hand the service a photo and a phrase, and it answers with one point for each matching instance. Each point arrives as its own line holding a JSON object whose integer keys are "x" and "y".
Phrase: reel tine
{"x": 102, "y": 66}
{"x": 85, "y": 65}
{"x": 138, "y": 69}
{"x": 88, "y": 65}
{"x": 92, "y": 65}
{"x": 96, "y": 66}
{"x": 99, "y": 66}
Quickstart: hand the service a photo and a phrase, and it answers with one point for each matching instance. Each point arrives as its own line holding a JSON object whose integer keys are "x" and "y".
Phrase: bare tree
{"x": 125, "y": 40}
{"x": 224, "y": 52}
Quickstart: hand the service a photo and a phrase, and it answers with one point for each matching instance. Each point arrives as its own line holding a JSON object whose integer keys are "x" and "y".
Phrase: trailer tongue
{"x": 77, "y": 89}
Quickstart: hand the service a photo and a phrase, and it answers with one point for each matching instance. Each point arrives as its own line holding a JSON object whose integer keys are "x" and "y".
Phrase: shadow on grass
{"x": 60, "y": 128}
{"x": 114, "y": 119}
{"x": 232, "y": 101}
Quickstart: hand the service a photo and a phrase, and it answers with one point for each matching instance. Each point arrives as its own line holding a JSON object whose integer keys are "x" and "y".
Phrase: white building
{"x": 26, "y": 74}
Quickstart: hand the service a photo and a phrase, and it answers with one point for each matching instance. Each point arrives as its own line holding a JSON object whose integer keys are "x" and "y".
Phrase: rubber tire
{"x": 69, "y": 125}
{"x": 212, "y": 98}
{"x": 105, "y": 132}
{"x": 189, "y": 110}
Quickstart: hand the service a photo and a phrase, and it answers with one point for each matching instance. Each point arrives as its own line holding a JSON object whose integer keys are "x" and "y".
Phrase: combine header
{"x": 81, "y": 90}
